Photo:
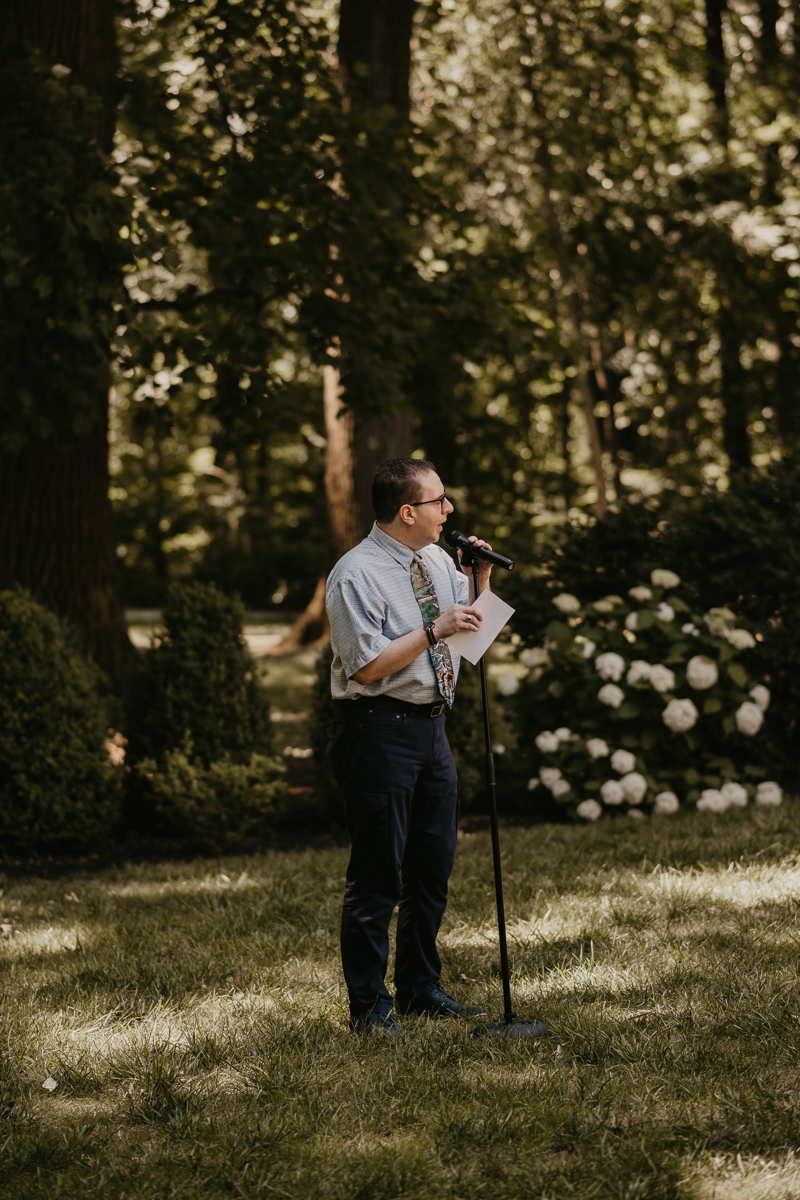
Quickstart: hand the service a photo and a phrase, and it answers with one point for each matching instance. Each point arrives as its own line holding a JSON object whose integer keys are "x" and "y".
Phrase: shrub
{"x": 738, "y": 549}
{"x": 647, "y": 702}
{"x": 200, "y": 734}
{"x": 57, "y": 788}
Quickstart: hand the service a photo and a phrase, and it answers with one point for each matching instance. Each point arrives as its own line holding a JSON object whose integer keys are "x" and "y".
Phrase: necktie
{"x": 428, "y": 602}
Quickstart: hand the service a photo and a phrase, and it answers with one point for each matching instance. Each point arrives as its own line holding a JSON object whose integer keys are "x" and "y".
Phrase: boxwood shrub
{"x": 58, "y": 790}
{"x": 201, "y": 742}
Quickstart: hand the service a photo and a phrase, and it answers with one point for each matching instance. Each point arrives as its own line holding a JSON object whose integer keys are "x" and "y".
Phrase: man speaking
{"x": 391, "y": 602}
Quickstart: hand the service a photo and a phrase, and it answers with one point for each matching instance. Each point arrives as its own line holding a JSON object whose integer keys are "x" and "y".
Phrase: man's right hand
{"x": 456, "y": 619}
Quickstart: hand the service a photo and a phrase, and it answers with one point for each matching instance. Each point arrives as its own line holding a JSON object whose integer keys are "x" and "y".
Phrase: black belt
{"x": 390, "y": 704}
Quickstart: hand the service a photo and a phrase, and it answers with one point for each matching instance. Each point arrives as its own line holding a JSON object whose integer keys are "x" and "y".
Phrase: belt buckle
{"x": 438, "y": 708}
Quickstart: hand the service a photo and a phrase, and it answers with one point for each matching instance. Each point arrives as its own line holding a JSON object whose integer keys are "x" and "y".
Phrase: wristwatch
{"x": 428, "y": 627}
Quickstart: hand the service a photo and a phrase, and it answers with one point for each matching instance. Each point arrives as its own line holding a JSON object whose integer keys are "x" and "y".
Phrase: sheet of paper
{"x": 496, "y": 614}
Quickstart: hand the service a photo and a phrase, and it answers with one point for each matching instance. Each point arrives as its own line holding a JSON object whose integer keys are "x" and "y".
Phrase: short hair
{"x": 397, "y": 481}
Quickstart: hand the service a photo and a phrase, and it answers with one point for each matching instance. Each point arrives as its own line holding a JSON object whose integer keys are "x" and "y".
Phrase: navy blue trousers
{"x": 400, "y": 790}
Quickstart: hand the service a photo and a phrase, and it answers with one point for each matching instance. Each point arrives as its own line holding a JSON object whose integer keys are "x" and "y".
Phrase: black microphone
{"x": 459, "y": 542}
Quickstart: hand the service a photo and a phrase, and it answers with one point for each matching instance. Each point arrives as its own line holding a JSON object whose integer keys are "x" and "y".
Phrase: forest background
{"x": 554, "y": 248}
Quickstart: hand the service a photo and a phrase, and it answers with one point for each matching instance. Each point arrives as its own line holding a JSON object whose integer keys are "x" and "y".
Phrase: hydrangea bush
{"x": 636, "y": 703}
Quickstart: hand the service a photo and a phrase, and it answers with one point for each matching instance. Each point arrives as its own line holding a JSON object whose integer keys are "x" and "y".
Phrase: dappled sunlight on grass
{"x": 194, "y": 1021}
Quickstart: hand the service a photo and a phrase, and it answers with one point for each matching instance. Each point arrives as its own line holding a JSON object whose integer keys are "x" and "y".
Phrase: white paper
{"x": 496, "y": 614}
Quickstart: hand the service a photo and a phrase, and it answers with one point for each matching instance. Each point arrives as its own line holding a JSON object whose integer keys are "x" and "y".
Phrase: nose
{"x": 447, "y": 507}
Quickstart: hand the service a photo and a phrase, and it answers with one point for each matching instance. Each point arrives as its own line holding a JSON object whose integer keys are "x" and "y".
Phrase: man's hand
{"x": 484, "y": 568}
{"x": 456, "y": 619}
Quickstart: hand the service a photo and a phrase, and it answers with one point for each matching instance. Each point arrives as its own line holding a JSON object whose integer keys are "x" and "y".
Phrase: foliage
{"x": 671, "y": 697}
{"x": 61, "y": 258}
{"x": 199, "y": 679}
{"x": 57, "y": 788}
{"x": 170, "y": 977}
{"x": 208, "y": 802}
{"x": 199, "y": 720}
{"x": 737, "y": 549}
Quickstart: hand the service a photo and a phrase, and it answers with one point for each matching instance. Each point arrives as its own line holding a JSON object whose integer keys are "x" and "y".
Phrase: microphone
{"x": 459, "y": 542}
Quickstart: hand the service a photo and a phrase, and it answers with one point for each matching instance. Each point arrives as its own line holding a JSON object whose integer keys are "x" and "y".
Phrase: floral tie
{"x": 427, "y": 600}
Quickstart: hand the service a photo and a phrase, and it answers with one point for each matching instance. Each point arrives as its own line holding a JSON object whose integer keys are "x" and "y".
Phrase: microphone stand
{"x": 510, "y": 1026}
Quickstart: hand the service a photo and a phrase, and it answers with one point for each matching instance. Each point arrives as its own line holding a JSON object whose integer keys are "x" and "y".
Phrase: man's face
{"x": 429, "y": 518}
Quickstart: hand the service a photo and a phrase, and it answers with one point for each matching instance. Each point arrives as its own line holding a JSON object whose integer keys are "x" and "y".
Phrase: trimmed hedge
{"x": 57, "y": 788}
{"x": 201, "y": 741}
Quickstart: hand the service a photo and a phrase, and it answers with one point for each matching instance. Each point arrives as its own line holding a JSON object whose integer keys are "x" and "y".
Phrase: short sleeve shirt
{"x": 370, "y": 601}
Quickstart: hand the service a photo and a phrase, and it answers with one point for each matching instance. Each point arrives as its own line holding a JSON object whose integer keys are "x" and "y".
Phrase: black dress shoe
{"x": 434, "y": 1001}
{"x": 375, "y": 1022}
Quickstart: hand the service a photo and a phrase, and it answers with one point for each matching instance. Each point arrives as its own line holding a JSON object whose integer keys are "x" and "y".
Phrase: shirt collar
{"x": 404, "y": 555}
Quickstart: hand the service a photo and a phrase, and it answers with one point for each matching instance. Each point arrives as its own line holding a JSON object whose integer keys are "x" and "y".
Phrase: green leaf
{"x": 738, "y": 674}
{"x": 712, "y": 705}
{"x": 644, "y": 620}
{"x": 557, "y": 629}
{"x": 691, "y": 776}
{"x": 628, "y": 710}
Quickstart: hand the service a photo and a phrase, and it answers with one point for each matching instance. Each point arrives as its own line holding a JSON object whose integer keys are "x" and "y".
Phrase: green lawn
{"x": 193, "y": 1019}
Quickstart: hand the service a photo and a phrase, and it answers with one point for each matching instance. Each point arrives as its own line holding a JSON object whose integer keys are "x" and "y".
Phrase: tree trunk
{"x": 374, "y": 51}
{"x": 55, "y": 541}
{"x": 716, "y": 65}
{"x": 56, "y": 532}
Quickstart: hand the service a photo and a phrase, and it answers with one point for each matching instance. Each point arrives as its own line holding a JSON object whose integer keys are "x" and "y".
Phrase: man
{"x": 391, "y": 602}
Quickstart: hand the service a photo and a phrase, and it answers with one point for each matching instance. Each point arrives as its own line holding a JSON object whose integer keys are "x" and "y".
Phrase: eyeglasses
{"x": 439, "y": 500}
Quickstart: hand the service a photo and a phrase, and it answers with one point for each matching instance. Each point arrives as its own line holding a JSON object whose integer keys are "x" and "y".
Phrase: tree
{"x": 60, "y": 220}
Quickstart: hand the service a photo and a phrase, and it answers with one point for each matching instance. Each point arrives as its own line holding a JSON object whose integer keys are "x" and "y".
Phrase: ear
{"x": 406, "y": 514}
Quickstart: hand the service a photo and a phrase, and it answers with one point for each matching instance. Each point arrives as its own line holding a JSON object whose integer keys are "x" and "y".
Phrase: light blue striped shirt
{"x": 371, "y": 602}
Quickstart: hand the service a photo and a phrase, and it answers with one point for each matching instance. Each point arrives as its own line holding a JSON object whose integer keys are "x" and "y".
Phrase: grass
{"x": 193, "y": 1018}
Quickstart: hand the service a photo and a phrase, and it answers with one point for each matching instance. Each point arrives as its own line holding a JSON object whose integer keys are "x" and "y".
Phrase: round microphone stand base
{"x": 512, "y": 1029}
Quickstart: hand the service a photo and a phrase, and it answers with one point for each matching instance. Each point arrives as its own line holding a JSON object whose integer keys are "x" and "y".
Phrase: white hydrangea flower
{"x": 498, "y": 748}
{"x": 597, "y": 747}
{"x": 769, "y": 795}
{"x": 549, "y": 776}
{"x": 749, "y": 718}
{"x": 611, "y": 695}
{"x": 586, "y": 647}
{"x": 507, "y": 685}
{"x": 662, "y": 679}
{"x": 665, "y": 612}
{"x": 660, "y": 577}
{"x": 666, "y": 804}
{"x": 734, "y": 793}
{"x": 631, "y": 621}
{"x": 701, "y": 672}
{"x": 712, "y": 800}
{"x": 717, "y": 620}
{"x": 563, "y": 734}
{"x": 567, "y": 603}
{"x": 590, "y": 810}
{"x": 761, "y": 696}
{"x": 638, "y": 672}
{"x": 690, "y": 628}
{"x": 610, "y": 665}
{"x": 640, "y": 593}
{"x": 533, "y": 783}
{"x": 612, "y": 792}
{"x": 607, "y": 604}
{"x": 680, "y": 715}
{"x": 547, "y": 742}
{"x": 559, "y": 786}
{"x": 634, "y": 787}
{"x": 623, "y": 761}
{"x": 741, "y": 639}
{"x": 636, "y": 813}
{"x": 536, "y": 656}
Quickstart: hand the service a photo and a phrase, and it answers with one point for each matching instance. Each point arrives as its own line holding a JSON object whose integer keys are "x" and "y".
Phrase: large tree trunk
{"x": 56, "y": 534}
{"x": 374, "y": 51}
